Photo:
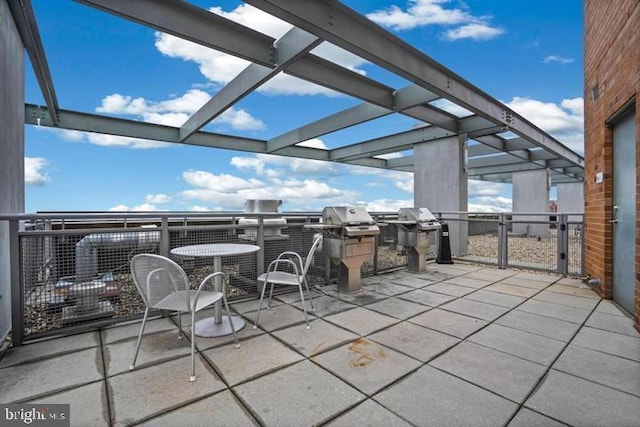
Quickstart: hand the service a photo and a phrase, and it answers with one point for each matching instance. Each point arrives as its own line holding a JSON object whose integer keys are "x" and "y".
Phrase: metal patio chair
{"x": 164, "y": 285}
{"x": 276, "y": 276}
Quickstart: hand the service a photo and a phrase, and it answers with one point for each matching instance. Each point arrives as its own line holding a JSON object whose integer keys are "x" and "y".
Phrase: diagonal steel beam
{"x": 335, "y": 22}
{"x": 26, "y": 22}
{"x": 288, "y": 48}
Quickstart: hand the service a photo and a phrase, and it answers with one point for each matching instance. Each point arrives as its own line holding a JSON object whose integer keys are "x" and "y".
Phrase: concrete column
{"x": 571, "y": 199}
{"x": 440, "y": 184}
{"x": 11, "y": 147}
{"x": 531, "y": 194}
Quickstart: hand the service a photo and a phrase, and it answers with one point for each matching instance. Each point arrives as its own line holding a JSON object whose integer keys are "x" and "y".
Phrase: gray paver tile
{"x": 145, "y": 392}
{"x": 448, "y": 322}
{"x": 48, "y": 348}
{"x": 557, "y": 311}
{"x": 154, "y": 348}
{"x": 528, "y": 346}
{"x": 613, "y": 371}
{"x": 583, "y": 403}
{"x": 458, "y": 268}
{"x": 509, "y": 289}
{"x": 361, "y": 321}
{"x": 398, "y": 308}
{"x": 540, "y": 325}
{"x": 205, "y": 343}
{"x": 475, "y": 309}
{"x": 278, "y": 317}
{"x": 430, "y": 299}
{"x": 20, "y": 382}
{"x": 324, "y": 396}
{"x": 322, "y": 336}
{"x": 252, "y": 305}
{"x": 221, "y": 409}
{"x": 609, "y": 342}
{"x": 325, "y": 305}
{"x": 570, "y": 281}
{"x": 613, "y": 323}
{"x": 366, "y": 365}
{"x": 537, "y": 277}
{"x": 568, "y": 300}
{"x": 361, "y": 298}
{"x": 416, "y": 341}
{"x": 449, "y": 289}
{"x": 610, "y": 307}
{"x": 369, "y": 414}
{"x": 131, "y": 330}
{"x": 525, "y": 283}
{"x": 495, "y": 298}
{"x": 582, "y": 291}
{"x": 430, "y": 397}
{"x": 255, "y": 356}
{"x": 490, "y": 274}
{"x": 416, "y": 281}
{"x": 469, "y": 282}
{"x": 88, "y": 404}
{"x": 388, "y": 289}
{"x": 509, "y": 376}
{"x": 527, "y": 418}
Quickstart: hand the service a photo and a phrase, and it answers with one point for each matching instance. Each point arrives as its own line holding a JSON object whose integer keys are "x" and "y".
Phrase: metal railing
{"x": 70, "y": 271}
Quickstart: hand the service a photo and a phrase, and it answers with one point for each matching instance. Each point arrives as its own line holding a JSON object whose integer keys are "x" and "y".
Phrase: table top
{"x": 215, "y": 249}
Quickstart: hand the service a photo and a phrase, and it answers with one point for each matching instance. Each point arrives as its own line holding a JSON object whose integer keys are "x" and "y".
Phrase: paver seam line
{"x": 54, "y": 392}
{"x": 104, "y": 378}
{"x": 539, "y": 413}
{"x": 367, "y": 398}
{"x": 596, "y": 382}
{"x": 49, "y": 356}
{"x": 544, "y": 376}
{"x": 604, "y": 352}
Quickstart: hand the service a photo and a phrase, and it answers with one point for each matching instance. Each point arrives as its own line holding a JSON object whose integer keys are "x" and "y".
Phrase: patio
{"x": 456, "y": 345}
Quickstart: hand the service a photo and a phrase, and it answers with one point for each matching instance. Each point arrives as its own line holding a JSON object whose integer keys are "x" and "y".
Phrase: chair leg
{"x": 180, "y": 334}
{"x": 304, "y": 307}
{"x": 270, "y": 296}
{"x": 306, "y": 284}
{"x": 193, "y": 347}
{"x": 233, "y": 328}
{"x": 255, "y": 325}
{"x": 135, "y": 355}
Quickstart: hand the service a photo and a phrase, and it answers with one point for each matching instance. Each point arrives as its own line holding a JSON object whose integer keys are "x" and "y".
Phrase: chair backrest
{"x": 156, "y": 277}
{"x": 317, "y": 241}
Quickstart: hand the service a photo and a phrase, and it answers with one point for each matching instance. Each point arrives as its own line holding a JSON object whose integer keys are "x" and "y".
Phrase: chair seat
{"x": 176, "y": 300}
{"x": 281, "y": 278}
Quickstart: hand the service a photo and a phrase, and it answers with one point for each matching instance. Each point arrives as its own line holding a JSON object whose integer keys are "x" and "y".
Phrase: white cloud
{"x": 145, "y": 207}
{"x": 557, "y": 59}
{"x": 564, "y": 121}
{"x": 421, "y": 13}
{"x": 387, "y": 205}
{"x": 477, "y": 32}
{"x": 220, "y": 68}
{"x": 223, "y": 183}
{"x": 108, "y": 140}
{"x": 176, "y": 111}
{"x": 490, "y": 204}
{"x": 157, "y": 198}
{"x": 33, "y": 171}
{"x": 450, "y": 107}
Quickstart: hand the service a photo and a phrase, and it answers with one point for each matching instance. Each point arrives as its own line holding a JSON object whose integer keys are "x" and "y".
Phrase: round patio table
{"x": 218, "y": 325}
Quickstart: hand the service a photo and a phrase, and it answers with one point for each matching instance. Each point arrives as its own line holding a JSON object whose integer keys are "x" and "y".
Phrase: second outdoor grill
{"x": 348, "y": 238}
{"x": 414, "y": 228}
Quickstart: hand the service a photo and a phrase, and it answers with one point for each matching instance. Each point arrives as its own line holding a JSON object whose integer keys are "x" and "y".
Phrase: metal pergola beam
{"x": 335, "y": 22}
{"x": 288, "y": 48}
{"x": 25, "y": 21}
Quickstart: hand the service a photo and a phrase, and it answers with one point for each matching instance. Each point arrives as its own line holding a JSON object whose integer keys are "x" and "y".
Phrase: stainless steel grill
{"x": 348, "y": 239}
{"x": 414, "y": 228}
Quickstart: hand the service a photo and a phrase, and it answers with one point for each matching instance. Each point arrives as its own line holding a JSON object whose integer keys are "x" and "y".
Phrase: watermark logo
{"x": 35, "y": 415}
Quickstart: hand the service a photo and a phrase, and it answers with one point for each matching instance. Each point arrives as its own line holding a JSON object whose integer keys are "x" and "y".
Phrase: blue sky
{"x": 527, "y": 54}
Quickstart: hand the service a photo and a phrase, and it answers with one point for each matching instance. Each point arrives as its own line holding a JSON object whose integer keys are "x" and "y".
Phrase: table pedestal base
{"x": 209, "y": 329}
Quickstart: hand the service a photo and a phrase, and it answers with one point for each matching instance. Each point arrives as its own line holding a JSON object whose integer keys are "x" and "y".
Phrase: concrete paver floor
{"x": 502, "y": 348}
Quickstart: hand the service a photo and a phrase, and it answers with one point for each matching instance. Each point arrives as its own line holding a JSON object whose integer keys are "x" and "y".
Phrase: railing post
{"x": 503, "y": 232}
{"x": 563, "y": 244}
{"x": 15, "y": 268}
{"x": 376, "y": 242}
{"x": 260, "y": 242}
{"x": 164, "y": 236}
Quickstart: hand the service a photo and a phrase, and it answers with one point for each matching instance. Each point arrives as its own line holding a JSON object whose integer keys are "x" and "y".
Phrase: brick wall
{"x": 612, "y": 68}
